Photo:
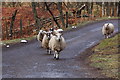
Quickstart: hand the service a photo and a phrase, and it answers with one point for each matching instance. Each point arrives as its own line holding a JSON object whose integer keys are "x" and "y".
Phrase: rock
{"x": 7, "y": 46}
{"x": 23, "y": 41}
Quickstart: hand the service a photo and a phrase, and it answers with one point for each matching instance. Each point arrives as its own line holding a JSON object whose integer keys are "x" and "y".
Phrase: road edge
{"x": 83, "y": 57}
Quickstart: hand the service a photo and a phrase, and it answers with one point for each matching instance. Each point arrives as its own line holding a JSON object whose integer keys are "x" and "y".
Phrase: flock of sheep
{"x": 53, "y": 40}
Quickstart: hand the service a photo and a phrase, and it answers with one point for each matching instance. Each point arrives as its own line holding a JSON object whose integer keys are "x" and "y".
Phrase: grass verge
{"x": 105, "y": 57}
{"x": 17, "y": 40}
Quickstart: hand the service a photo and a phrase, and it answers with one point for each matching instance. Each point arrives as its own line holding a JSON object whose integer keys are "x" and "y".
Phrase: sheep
{"x": 57, "y": 44}
{"x": 45, "y": 40}
{"x": 59, "y": 30}
{"x": 56, "y": 31}
{"x": 40, "y": 35}
{"x": 108, "y": 29}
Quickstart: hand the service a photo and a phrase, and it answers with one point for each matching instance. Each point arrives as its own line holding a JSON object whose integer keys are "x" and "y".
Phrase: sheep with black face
{"x": 40, "y": 35}
{"x": 108, "y": 29}
{"x": 45, "y": 40}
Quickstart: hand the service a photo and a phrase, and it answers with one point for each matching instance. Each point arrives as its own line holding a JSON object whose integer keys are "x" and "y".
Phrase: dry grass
{"x": 106, "y": 57}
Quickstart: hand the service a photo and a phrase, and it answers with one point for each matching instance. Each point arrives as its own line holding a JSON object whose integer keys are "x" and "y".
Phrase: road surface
{"x": 30, "y": 61}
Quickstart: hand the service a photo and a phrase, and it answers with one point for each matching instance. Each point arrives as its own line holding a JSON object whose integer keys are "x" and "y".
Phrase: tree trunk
{"x": 52, "y": 15}
{"x": 13, "y": 4}
{"x": 12, "y": 23}
{"x": 118, "y": 9}
{"x": 20, "y": 27}
{"x": 103, "y": 9}
{"x": 66, "y": 19}
{"x": 37, "y": 21}
{"x": 61, "y": 14}
{"x": 108, "y": 9}
{"x": 6, "y": 30}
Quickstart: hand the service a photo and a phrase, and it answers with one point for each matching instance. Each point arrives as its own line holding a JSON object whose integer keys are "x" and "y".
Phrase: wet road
{"x": 31, "y": 61}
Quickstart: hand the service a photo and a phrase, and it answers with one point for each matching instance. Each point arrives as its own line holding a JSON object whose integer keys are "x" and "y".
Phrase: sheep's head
{"x": 54, "y": 32}
{"x": 51, "y": 29}
{"x": 48, "y": 34}
{"x": 58, "y": 36}
{"x": 107, "y": 27}
{"x": 59, "y": 30}
{"x": 42, "y": 32}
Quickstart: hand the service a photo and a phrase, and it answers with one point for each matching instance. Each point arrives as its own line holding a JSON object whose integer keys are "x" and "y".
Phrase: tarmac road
{"x": 30, "y": 61}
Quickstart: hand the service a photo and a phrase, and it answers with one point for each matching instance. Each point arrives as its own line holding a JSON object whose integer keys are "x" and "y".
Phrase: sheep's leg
{"x": 110, "y": 35}
{"x": 57, "y": 56}
{"x": 49, "y": 51}
{"x": 54, "y": 55}
{"x": 105, "y": 36}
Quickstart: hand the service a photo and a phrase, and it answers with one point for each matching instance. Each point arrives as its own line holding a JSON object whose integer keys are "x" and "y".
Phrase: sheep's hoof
{"x": 57, "y": 58}
{"x": 49, "y": 52}
{"x": 54, "y": 57}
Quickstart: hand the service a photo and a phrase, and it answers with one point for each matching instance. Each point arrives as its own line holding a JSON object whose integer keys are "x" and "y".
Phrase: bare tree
{"x": 52, "y": 15}
{"x": 118, "y": 9}
{"x": 103, "y": 12}
{"x": 12, "y": 23}
{"x": 37, "y": 20}
{"x": 59, "y": 4}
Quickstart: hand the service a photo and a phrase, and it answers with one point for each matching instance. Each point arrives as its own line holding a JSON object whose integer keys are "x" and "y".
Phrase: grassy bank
{"x": 105, "y": 57}
{"x": 17, "y": 40}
